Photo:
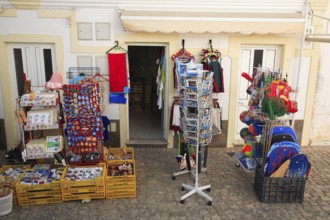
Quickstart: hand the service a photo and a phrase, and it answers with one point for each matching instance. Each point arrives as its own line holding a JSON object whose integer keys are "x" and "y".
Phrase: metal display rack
{"x": 196, "y": 106}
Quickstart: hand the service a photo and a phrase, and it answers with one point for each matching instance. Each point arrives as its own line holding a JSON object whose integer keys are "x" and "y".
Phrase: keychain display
{"x": 84, "y": 122}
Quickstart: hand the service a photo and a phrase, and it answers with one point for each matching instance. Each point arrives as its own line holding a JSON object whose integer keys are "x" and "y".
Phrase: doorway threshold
{"x": 147, "y": 143}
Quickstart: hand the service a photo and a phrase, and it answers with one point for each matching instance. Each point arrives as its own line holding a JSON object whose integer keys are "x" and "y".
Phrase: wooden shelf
{"x": 136, "y": 96}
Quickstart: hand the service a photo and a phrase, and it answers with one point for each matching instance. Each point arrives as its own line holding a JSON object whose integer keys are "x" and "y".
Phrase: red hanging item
{"x": 117, "y": 72}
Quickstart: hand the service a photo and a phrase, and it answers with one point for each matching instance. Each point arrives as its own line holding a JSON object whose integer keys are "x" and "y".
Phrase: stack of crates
{"x": 120, "y": 181}
{"x": 83, "y": 189}
{"x": 47, "y": 193}
{"x": 8, "y": 180}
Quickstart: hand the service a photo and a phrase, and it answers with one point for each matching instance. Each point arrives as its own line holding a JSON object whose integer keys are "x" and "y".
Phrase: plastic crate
{"x": 120, "y": 186}
{"x": 121, "y": 153}
{"x": 39, "y": 194}
{"x": 84, "y": 189}
{"x": 279, "y": 190}
{"x": 13, "y": 184}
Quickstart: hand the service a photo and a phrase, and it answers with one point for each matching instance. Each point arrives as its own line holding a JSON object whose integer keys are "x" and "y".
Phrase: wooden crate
{"x": 47, "y": 193}
{"x": 13, "y": 183}
{"x": 83, "y": 189}
{"x": 120, "y": 186}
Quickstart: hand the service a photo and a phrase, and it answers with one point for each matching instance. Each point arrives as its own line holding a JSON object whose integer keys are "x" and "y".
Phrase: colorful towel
{"x": 117, "y": 72}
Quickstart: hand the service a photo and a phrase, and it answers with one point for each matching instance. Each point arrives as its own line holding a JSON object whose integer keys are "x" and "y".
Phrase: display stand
{"x": 39, "y": 117}
{"x": 196, "y": 101}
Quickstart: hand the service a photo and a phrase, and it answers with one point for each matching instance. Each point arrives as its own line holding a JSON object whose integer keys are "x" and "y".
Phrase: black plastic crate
{"x": 281, "y": 190}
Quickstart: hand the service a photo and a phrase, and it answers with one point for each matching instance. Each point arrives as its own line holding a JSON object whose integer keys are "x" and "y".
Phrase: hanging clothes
{"x": 175, "y": 116}
{"x": 160, "y": 80}
{"x": 211, "y": 60}
{"x": 117, "y": 72}
{"x": 182, "y": 56}
{"x": 215, "y": 67}
{"x": 216, "y": 118}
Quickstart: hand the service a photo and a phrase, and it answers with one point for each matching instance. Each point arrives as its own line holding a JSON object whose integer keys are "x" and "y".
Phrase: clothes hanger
{"x": 86, "y": 80}
{"x": 99, "y": 75}
{"x": 116, "y": 47}
{"x": 183, "y": 54}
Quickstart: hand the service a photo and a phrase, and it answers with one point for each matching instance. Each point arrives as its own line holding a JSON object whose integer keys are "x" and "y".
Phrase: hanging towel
{"x": 216, "y": 120}
{"x": 117, "y": 72}
{"x": 175, "y": 118}
{"x": 117, "y": 98}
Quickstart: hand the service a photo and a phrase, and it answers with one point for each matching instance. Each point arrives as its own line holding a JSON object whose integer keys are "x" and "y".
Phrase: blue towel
{"x": 117, "y": 98}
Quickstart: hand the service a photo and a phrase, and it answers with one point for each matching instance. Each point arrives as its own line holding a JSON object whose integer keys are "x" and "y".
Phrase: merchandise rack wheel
{"x": 182, "y": 188}
{"x": 182, "y": 201}
{"x": 173, "y": 177}
{"x": 208, "y": 189}
{"x": 209, "y": 203}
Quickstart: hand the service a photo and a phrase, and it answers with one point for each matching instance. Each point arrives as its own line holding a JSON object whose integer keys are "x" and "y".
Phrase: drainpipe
{"x": 303, "y": 35}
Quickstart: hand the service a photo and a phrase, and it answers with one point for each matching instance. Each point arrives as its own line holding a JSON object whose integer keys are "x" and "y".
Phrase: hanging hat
{"x": 55, "y": 82}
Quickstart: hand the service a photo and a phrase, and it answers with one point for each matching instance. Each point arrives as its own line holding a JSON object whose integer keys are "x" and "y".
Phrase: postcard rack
{"x": 196, "y": 106}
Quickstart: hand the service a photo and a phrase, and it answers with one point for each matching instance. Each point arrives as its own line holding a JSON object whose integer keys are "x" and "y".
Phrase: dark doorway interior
{"x": 145, "y": 118}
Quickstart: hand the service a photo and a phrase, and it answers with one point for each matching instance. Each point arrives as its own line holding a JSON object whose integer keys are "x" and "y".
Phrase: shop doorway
{"x": 252, "y": 57}
{"x": 146, "y": 109}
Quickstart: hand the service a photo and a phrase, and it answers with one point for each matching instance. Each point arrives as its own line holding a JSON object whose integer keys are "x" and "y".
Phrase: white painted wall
{"x": 321, "y": 111}
{"x": 27, "y": 22}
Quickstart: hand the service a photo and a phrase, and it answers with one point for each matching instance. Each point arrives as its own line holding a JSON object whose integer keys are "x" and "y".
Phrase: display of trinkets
{"x": 40, "y": 175}
{"x": 83, "y": 173}
{"x": 120, "y": 154}
{"x": 11, "y": 174}
{"x": 84, "y": 122}
{"x": 121, "y": 169}
{"x": 81, "y": 99}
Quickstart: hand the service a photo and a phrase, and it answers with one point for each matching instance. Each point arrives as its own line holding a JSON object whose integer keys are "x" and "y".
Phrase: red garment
{"x": 117, "y": 72}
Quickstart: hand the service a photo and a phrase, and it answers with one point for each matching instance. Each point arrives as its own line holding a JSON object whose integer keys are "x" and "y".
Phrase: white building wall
{"x": 321, "y": 112}
{"x": 27, "y": 22}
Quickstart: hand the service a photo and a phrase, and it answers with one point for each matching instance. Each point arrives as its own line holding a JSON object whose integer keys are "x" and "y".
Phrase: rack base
{"x": 182, "y": 173}
{"x": 198, "y": 190}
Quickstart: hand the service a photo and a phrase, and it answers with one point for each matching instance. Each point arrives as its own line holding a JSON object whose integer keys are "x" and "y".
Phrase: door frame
{"x": 27, "y": 63}
{"x": 252, "y": 48}
{"x": 164, "y": 109}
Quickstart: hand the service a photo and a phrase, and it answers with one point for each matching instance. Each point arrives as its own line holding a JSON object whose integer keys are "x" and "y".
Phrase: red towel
{"x": 117, "y": 71}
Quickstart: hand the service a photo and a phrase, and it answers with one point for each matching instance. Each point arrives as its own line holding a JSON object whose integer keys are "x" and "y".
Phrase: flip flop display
{"x": 285, "y": 129}
{"x": 278, "y": 155}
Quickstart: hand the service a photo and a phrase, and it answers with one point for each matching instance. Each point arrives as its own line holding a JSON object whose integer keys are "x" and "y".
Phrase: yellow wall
{"x": 6, "y": 78}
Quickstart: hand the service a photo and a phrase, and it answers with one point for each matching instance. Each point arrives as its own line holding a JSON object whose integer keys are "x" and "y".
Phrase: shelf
{"x": 40, "y": 127}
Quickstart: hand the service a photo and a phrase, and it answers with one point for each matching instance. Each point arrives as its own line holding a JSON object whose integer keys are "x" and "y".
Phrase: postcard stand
{"x": 196, "y": 107}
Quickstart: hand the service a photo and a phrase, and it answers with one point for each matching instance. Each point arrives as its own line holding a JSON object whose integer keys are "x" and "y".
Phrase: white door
{"x": 37, "y": 61}
{"x": 265, "y": 57}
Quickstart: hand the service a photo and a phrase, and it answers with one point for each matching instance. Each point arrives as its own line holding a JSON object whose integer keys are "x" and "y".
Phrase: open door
{"x": 147, "y": 102}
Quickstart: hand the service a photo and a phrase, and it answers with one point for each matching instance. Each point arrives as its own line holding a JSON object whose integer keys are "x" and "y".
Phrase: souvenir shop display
{"x": 271, "y": 146}
{"x": 40, "y": 185}
{"x": 196, "y": 109}
{"x": 9, "y": 176}
{"x": 38, "y": 116}
{"x": 84, "y": 122}
{"x": 120, "y": 181}
{"x": 83, "y": 182}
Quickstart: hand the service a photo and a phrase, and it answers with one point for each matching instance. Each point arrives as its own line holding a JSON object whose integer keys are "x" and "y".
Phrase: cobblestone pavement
{"x": 158, "y": 196}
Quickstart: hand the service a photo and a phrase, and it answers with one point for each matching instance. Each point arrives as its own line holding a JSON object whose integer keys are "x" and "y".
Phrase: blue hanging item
{"x": 118, "y": 98}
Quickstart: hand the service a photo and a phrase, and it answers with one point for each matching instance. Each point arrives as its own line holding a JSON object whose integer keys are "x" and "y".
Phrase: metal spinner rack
{"x": 196, "y": 106}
